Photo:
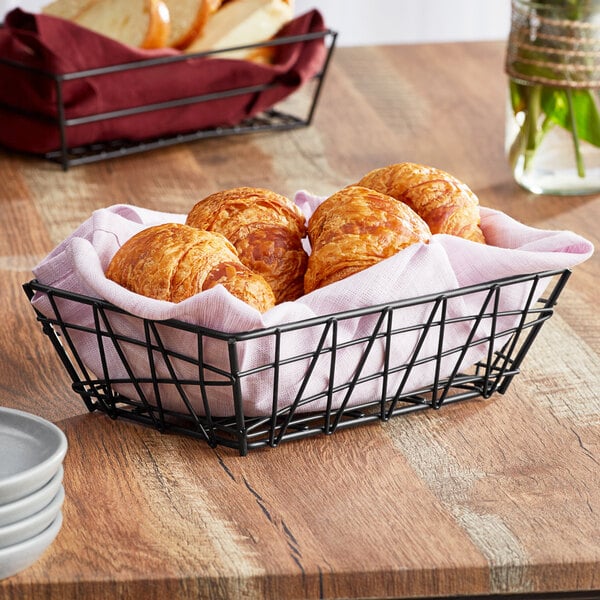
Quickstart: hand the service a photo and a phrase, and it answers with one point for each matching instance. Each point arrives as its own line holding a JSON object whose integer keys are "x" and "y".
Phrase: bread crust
{"x": 188, "y": 20}
{"x": 446, "y": 204}
{"x": 142, "y": 24}
{"x": 173, "y": 262}
{"x": 159, "y": 25}
{"x": 356, "y": 228}
{"x": 241, "y": 23}
{"x": 266, "y": 230}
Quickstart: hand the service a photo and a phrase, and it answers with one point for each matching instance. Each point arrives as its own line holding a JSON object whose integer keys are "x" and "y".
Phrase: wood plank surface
{"x": 483, "y": 497}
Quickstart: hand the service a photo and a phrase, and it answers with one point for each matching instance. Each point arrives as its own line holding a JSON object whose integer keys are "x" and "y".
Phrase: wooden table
{"x": 479, "y": 498}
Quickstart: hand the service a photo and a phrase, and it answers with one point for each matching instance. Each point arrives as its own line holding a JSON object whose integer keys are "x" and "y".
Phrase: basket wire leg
{"x": 321, "y": 79}
{"x": 331, "y": 324}
{"x": 203, "y": 393}
{"x": 384, "y": 314}
{"x": 327, "y": 427}
{"x": 78, "y": 378}
{"x": 173, "y": 374}
{"x": 413, "y": 360}
{"x": 55, "y": 338}
{"x": 548, "y": 306}
{"x": 495, "y": 293}
{"x": 274, "y": 403}
{"x": 62, "y": 124}
{"x": 487, "y": 389}
{"x": 109, "y": 333}
{"x": 238, "y": 404}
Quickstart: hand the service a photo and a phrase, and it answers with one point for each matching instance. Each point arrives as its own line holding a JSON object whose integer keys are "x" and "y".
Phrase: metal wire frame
{"x": 502, "y": 350}
{"x": 270, "y": 120}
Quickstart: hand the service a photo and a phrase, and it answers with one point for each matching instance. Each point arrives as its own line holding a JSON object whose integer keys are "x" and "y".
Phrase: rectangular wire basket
{"x": 318, "y": 405}
{"x": 293, "y": 113}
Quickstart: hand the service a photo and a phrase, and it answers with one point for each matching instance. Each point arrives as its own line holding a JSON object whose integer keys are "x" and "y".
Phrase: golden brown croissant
{"x": 265, "y": 228}
{"x": 174, "y": 261}
{"x": 445, "y": 204}
{"x": 356, "y": 228}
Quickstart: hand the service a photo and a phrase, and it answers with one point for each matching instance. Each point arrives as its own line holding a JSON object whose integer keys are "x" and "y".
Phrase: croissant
{"x": 174, "y": 261}
{"x": 265, "y": 228}
{"x": 445, "y": 204}
{"x": 356, "y": 228}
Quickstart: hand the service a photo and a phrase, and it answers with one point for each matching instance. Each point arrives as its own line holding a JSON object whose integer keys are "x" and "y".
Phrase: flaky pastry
{"x": 446, "y": 204}
{"x": 265, "y": 228}
{"x": 356, "y": 228}
{"x": 174, "y": 261}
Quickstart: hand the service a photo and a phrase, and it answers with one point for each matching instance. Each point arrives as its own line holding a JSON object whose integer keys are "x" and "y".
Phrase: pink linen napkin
{"x": 78, "y": 264}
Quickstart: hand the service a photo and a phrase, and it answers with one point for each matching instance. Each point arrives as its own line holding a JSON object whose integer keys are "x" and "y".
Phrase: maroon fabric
{"x": 52, "y": 45}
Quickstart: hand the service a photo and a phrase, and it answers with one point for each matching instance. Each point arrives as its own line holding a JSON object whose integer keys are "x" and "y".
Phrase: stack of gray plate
{"x": 31, "y": 491}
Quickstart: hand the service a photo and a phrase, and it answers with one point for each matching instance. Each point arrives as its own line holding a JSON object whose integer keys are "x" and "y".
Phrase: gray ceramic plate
{"x": 32, "y": 450}
{"x": 32, "y": 503}
{"x": 20, "y": 556}
{"x": 22, "y": 530}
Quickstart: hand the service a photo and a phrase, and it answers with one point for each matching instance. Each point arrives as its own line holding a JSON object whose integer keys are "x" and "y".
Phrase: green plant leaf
{"x": 555, "y": 104}
{"x": 517, "y": 93}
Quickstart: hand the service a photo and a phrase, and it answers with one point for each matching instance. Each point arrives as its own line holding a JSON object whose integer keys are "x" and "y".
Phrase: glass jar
{"x": 553, "y": 108}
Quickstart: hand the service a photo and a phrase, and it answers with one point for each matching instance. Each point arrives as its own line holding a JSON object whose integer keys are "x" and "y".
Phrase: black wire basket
{"x": 330, "y": 394}
{"x": 290, "y": 113}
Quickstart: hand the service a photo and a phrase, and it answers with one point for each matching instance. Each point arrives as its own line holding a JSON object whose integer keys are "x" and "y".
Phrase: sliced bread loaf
{"x": 66, "y": 9}
{"x": 243, "y": 22}
{"x": 140, "y": 23}
{"x": 188, "y": 18}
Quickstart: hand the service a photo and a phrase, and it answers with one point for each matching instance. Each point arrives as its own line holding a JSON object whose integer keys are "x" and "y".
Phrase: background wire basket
{"x": 292, "y": 113}
{"x": 498, "y": 333}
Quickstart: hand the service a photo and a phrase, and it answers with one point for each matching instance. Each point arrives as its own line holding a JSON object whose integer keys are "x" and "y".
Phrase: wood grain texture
{"x": 479, "y": 498}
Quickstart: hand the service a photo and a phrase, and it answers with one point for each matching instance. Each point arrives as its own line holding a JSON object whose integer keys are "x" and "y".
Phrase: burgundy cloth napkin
{"x": 28, "y": 99}
{"x": 447, "y": 262}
